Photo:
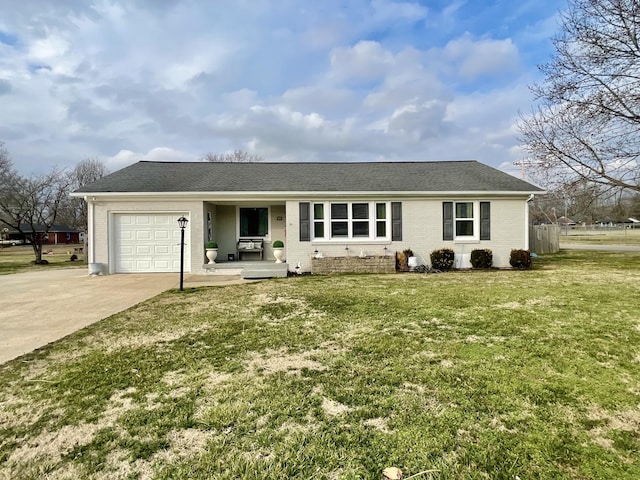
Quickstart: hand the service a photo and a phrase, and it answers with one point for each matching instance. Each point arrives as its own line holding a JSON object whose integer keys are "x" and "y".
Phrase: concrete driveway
{"x": 37, "y": 308}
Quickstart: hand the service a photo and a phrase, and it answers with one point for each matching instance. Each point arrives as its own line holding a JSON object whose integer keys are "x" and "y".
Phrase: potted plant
{"x": 211, "y": 251}
{"x": 278, "y": 250}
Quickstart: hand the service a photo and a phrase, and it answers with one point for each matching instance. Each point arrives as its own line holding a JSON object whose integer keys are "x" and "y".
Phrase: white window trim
{"x": 475, "y": 238}
{"x": 327, "y": 221}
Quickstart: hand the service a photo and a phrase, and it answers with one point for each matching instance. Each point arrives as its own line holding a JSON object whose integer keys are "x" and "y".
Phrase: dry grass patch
{"x": 274, "y": 361}
{"x": 332, "y": 408}
{"x": 380, "y": 424}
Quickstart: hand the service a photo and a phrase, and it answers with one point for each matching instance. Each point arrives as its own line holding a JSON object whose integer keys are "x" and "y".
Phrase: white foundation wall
{"x": 421, "y": 232}
{"x": 102, "y": 212}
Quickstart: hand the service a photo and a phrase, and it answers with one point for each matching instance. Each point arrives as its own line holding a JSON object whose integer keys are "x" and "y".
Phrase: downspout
{"x": 526, "y": 223}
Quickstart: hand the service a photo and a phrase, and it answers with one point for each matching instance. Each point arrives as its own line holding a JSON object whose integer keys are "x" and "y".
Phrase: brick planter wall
{"x": 325, "y": 265}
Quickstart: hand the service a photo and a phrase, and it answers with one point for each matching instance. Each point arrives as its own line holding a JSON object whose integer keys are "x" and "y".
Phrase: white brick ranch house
{"x": 327, "y": 209}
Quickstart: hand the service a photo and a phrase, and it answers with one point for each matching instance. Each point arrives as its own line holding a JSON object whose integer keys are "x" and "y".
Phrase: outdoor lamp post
{"x": 182, "y": 223}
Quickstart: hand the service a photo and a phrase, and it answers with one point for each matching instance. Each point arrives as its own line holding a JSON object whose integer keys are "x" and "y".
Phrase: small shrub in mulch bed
{"x": 520, "y": 259}
{"x": 442, "y": 259}
{"x": 481, "y": 258}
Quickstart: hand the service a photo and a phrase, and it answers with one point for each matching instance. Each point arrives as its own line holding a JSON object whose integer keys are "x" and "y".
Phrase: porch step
{"x": 248, "y": 269}
{"x": 265, "y": 270}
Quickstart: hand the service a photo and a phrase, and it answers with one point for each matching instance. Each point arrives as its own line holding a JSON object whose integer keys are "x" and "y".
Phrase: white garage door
{"x": 149, "y": 243}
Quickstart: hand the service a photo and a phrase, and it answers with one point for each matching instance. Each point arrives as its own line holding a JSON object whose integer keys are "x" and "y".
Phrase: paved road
{"x": 603, "y": 248}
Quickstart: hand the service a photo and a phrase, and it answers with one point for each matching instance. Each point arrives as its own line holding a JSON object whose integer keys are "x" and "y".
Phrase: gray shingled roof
{"x": 458, "y": 176}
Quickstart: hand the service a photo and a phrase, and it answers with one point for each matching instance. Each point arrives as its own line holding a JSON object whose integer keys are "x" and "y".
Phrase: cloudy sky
{"x": 289, "y": 80}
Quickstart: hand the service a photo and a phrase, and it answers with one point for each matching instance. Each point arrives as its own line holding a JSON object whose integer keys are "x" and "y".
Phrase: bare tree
{"x": 30, "y": 205}
{"x": 587, "y": 122}
{"x": 88, "y": 171}
{"x": 74, "y": 210}
{"x": 6, "y": 165}
{"x": 237, "y": 156}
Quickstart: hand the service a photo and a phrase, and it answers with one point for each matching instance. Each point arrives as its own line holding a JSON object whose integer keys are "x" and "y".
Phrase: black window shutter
{"x": 396, "y": 221}
{"x": 485, "y": 220}
{"x": 447, "y": 220}
{"x": 305, "y": 222}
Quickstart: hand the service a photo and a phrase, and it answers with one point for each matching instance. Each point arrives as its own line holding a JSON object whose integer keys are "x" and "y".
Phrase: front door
{"x": 254, "y": 222}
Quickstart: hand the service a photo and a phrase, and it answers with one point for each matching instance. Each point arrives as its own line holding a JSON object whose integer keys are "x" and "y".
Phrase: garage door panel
{"x": 148, "y": 243}
{"x": 143, "y": 265}
{"x": 163, "y": 250}
{"x": 163, "y": 220}
{"x": 163, "y": 264}
{"x": 143, "y": 250}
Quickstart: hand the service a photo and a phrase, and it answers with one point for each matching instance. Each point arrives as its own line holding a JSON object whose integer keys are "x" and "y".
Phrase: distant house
{"x": 57, "y": 234}
{"x": 328, "y": 209}
{"x": 566, "y": 222}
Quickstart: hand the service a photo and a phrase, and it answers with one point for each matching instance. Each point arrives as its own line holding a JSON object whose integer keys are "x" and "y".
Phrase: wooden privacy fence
{"x": 544, "y": 239}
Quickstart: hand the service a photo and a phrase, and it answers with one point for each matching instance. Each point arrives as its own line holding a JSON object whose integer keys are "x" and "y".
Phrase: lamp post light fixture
{"x": 182, "y": 223}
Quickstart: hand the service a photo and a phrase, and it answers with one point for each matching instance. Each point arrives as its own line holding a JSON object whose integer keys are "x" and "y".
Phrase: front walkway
{"x": 44, "y": 306}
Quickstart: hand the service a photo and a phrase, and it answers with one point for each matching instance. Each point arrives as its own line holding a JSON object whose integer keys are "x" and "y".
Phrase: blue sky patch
{"x": 8, "y": 38}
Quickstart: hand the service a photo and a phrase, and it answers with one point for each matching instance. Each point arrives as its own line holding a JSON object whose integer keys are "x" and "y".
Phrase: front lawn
{"x": 19, "y": 258}
{"x": 496, "y": 374}
{"x": 627, "y": 236}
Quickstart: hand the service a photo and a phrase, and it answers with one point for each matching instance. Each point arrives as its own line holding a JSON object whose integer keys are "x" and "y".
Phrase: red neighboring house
{"x": 57, "y": 235}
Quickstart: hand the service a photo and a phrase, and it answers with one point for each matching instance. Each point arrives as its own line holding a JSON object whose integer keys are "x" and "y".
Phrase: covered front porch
{"x": 238, "y": 226}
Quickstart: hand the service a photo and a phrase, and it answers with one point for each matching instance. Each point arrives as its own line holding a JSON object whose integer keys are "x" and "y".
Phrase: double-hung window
{"x": 318, "y": 220}
{"x": 360, "y": 216}
{"x": 381, "y": 220}
{"x": 466, "y": 221}
{"x": 339, "y": 220}
{"x": 351, "y": 220}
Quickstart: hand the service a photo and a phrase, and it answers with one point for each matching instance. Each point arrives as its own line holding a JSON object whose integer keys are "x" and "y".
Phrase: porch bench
{"x": 249, "y": 246}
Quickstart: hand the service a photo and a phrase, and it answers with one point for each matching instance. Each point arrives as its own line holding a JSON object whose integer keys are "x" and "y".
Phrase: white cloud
{"x": 286, "y": 79}
{"x": 241, "y": 99}
{"x": 366, "y": 60}
{"x": 483, "y": 57}
{"x": 419, "y": 122}
{"x": 156, "y": 154}
{"x": 392, "y": 11}
{"x": 48, "y": 48}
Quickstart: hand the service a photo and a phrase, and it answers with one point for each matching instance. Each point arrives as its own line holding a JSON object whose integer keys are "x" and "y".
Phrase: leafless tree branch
{"x": 237, "y": 156}
{"x": 587, "y": 122}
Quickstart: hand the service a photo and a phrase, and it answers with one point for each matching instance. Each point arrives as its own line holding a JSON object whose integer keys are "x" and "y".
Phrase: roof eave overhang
{"x": 303, "y": 194}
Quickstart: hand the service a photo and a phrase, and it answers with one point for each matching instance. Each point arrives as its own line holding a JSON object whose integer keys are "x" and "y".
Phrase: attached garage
{"x": 148, "y": 242}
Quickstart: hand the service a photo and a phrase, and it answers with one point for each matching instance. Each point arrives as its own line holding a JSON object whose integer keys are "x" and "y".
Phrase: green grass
{"x": 20, "y": 258}
{"x": 481, "y": 374}
{"x": 601, "y": 237}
